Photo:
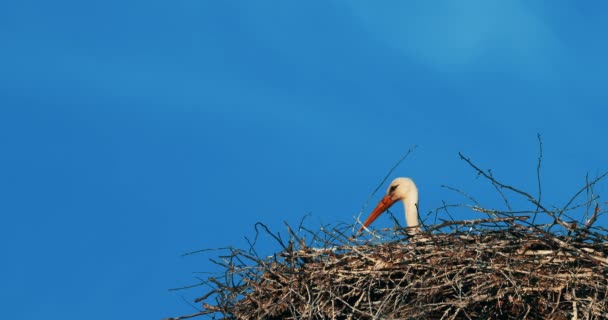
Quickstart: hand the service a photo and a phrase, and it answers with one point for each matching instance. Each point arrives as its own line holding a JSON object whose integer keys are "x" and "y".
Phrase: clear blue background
{"x": 134, "y": 131}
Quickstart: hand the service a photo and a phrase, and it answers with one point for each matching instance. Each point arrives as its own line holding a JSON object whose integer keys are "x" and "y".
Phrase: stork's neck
{"x": 411, "y": 209}
{"x": 411, "y": 213}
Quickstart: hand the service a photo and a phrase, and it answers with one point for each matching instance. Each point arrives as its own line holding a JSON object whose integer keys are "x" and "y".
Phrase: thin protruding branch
{"x": 528, "y": 197}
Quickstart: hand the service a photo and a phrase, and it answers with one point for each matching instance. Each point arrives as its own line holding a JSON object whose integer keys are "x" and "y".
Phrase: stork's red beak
{"x": 382, "y": 206}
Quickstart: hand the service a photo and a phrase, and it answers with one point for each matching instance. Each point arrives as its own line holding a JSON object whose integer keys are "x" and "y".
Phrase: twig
{"x": 525, "y": 194}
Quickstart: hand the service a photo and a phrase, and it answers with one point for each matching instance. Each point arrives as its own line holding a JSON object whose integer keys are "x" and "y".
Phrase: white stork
{"x": 403, "y": 189}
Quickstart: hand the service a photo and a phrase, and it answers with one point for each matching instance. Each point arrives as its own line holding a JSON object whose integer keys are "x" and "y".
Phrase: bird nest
{"x": 504, "y": 266}
{"x": 496, "y": 268}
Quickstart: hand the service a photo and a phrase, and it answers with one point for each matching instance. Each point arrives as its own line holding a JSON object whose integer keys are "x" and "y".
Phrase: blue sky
{"x": 133, "y": 132}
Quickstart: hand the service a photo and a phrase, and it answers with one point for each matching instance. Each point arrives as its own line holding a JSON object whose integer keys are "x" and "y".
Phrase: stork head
{"x": 402, "y": 189}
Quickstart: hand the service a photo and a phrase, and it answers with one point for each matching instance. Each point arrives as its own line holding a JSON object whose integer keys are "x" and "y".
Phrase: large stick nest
{"x": 501, "y": 267}
{"x": 513, "y": 273}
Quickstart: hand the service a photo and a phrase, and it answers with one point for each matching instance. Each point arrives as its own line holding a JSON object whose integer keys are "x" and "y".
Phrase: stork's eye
{"x": 392, "y": 188}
